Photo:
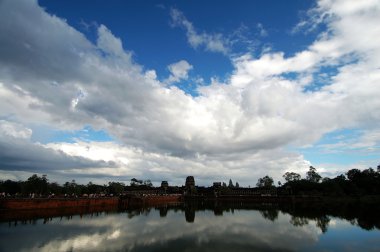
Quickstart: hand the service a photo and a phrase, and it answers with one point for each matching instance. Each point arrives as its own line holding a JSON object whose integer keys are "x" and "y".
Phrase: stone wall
{"x": 56, "y": 203}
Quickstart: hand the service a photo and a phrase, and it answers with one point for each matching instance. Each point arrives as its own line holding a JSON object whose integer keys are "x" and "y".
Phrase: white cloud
{"x": 108, "y": 42}
{"x": 113, "y": 232}
{"x": 211, "y": 42}
{"x": 239, "y": 128}
{"x": 131, "y": 162}
{"x": 16, "y": 130}
{"x": 179, "y": 71}
{"x": 362, "y": 142}
{"x": 262, "y": 31}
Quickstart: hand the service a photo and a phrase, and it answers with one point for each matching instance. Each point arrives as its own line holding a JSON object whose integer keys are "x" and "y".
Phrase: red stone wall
{"x": 56, "y": 203}
{"x": 163, "y": 199}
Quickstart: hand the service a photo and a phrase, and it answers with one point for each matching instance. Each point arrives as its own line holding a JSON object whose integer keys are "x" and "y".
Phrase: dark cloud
{"x": 34, "y": 44}
{"x": 22, "y": 155}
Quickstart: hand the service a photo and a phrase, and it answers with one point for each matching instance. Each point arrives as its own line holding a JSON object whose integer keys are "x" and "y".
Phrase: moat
{"x": 197, "y": 226}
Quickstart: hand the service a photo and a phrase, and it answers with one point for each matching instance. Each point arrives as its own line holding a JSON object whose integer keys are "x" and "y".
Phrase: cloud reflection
{"x": 191, "y": 227}
{"x": 242, "y": 230}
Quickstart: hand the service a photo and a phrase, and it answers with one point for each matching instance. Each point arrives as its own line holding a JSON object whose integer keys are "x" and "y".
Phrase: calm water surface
{"x": 194, "y": 228}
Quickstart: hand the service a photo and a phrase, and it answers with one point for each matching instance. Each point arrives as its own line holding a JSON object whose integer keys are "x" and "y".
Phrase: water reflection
{"x": 201, "y": 226}
{"x": 366, "y": 216}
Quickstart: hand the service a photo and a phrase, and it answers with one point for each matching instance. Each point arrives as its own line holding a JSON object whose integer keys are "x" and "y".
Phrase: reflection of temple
{"x": 189, "y": 214}
{"x": 218, "y": 208}
{"x": 163, "y": 211}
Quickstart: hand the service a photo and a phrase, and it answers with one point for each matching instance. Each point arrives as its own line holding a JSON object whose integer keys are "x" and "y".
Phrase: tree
{"x": 72, "y": 188}
{"x": 291, "y": 176}
{"x": 353, "y": 174}
{"x": 265, "y": 182}
{"x": 237, "y": 185}
{"x": 10, "y": 186}
{"x": 136, "y": 182}
{"x": 340, "y": 177}
{"x": 37, "y": 184}
{"x": 325, "y": 179}
{"x": 369, "y": 172}
{"x": 312, "y": 175}
{"x": 148, "y": 183}
{"x": 116, "y": 188}
{"x": 55, "y": 188}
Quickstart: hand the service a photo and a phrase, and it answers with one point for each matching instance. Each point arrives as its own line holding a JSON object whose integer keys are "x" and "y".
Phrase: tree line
{"x": 353, "y": 183}
{"x": 39, "y": 186}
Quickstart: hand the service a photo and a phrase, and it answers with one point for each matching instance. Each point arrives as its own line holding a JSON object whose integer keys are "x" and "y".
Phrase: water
{"x": 200, "y": 227}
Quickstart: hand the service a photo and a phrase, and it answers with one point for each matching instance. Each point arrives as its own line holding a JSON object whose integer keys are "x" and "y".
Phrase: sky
{"x": 108, "y": 91}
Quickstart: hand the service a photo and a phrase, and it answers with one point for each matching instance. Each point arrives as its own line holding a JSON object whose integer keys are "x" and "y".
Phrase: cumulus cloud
{"x": 50, "y": 73}
{"x": 108, "y": 42}
{"x": 131, "y": 162}
{"x": 179, "y": 71}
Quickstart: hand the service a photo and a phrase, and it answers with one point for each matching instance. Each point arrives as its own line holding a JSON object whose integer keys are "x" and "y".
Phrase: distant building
{"x": 190, "y": 182}
{"x": 217, "y": 184}
{"x": 190, "y": 185}
{"x": 164, "y": 185}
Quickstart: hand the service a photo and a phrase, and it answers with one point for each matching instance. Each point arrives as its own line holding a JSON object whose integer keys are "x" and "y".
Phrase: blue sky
{"x": 162, "y": 90}
{"x": 147, "y": 31}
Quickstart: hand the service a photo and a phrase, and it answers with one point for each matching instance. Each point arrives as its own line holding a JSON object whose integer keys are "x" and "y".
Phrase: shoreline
{"x": 31, "y": 209}
{"x": 47, "y": 203}
{"x": 152, "y": 200}
{"x": 7, "y": 204}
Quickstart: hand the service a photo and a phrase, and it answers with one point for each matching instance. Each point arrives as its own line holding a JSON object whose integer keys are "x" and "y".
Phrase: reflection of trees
{"x": 270, "y": 214}
{"x": 363, "y": 214}
{"x": 298, "y": 221}
{"x": 323, "y": 223}
{"x": 146, "y": 212}
{"x": 137, "y": 211}
{"x": 218, "y": 212}
{"x": 365, "y": 224}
